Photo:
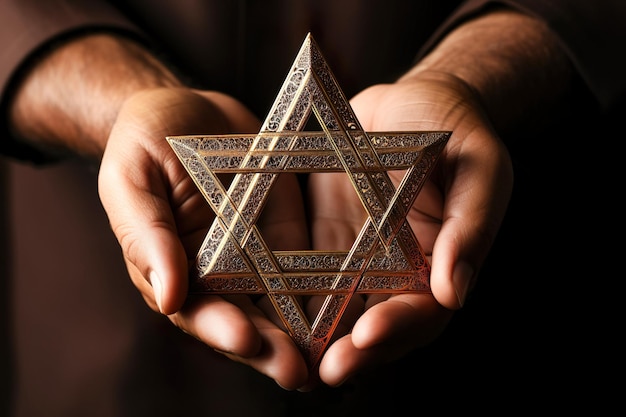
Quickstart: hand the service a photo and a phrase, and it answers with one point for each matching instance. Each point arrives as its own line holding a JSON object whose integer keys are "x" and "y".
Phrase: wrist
{"x": 511, "y": 61}
{"x": 69, "y": 99}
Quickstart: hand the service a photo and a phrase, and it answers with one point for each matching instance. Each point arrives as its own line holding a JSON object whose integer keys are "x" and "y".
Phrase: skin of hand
{"x": 157, "y": 214}
{"x": 455, "y": 217}
{"x": 160, "y": 219}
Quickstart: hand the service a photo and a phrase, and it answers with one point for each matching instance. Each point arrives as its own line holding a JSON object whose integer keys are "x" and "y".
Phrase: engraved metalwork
{"x": 386, "y": 256}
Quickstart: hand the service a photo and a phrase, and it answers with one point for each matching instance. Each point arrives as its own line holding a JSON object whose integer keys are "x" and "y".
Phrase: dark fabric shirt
{"x": 244, "y": 47}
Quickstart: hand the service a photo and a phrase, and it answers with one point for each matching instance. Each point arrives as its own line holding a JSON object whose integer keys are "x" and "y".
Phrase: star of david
{"x": 386, "y": 257}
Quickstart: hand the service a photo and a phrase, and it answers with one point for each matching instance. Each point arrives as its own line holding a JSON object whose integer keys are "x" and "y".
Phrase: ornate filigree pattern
{"x": 386, "y": 256}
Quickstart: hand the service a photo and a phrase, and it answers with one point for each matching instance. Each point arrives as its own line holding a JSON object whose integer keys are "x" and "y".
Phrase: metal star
{"x": 386, "y": 256}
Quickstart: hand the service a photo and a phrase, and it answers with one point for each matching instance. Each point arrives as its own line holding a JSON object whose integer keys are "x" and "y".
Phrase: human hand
{"x": 455, "y": 217}
{"x": 106, "y": 98}
{"x": 160, "y": 219}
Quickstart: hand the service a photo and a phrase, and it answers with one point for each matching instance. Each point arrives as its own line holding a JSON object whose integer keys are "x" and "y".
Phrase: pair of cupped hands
{"x": 160, "y": 219}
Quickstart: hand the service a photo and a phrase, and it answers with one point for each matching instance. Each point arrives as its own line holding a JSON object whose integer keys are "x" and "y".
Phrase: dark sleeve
{"x": 592, "y": 33}
{"x": 27, "y": 29}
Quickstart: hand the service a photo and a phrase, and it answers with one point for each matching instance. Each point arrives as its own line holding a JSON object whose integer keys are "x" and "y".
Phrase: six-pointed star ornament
{"x": 386, "y": 256}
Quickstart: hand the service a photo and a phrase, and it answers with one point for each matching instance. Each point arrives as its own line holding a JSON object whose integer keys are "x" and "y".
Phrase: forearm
{"x": 513, "y": 63}
{"x": 70, "y": 98}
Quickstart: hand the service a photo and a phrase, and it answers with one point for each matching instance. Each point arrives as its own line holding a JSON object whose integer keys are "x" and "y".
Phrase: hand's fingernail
{"x": 461, "y": 278}
{"x": 157, "y": 287}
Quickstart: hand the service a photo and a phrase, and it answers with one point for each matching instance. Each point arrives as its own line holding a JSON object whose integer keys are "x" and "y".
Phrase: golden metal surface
{"x": 386, "y": 256}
